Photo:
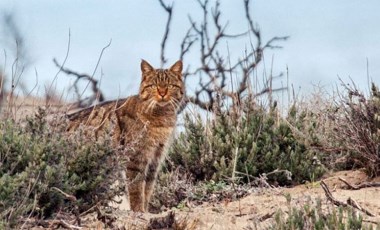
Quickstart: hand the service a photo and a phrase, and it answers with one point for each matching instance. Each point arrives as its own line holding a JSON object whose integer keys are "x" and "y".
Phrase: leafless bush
{"x": 216, "y": 72}
{"x": 17, "y": 54}
{"x": 356, "y": 127}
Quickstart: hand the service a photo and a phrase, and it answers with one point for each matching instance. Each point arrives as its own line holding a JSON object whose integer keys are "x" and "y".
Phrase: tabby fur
{"x": 142, "y": 125}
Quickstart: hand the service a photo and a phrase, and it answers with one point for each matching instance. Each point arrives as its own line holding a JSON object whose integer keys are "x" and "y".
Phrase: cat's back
{"x": 104, "y": 112}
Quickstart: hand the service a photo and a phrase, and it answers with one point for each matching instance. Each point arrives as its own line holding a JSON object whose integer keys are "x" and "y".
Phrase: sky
{"x": 328, "y": 40}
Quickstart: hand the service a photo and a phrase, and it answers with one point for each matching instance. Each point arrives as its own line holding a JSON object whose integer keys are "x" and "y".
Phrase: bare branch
{"x": 49, "y": 89}
{"x": 350, "y": 201}
{"x": 169, "y": 10}
{"x": 186, "y": 43}
{"x": 361, "y": 185}
{"x": 67, "y": 196}
{"x": 100, "y": 57}
{"x": 96, "y": 67}
{"x": 97, "y": 93}
{"x": 215, "y": 72}
{"x": 275, "y": 39}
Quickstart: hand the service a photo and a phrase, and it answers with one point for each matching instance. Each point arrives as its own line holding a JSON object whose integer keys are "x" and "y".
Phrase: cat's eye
{"x": 153, "y": 86}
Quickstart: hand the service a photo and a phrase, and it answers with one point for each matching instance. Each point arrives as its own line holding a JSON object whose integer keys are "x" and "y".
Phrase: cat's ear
{"x": 177, "y": 67}
{"x": 146, "y": 67}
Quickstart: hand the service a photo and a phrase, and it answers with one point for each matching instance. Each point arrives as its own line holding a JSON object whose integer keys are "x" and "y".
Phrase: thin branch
{"x": 67, "y": 196}
{"x": 275, "y": 39}
{"x": 100, "y": 57}
{"x": 361, "y": 185}
{"x": 187, "y": 42}
{"x": 96, "y": 67}
{"x": 169, "y": 11}
{"x": 98, "y": 95}
{"x": 253, "y": 29}
{"x": 64, "y": 61}
{"x": 350, "y": 201}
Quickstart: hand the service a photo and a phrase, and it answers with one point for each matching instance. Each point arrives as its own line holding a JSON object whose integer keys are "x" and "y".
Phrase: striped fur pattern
{"x": 142, "y": 125}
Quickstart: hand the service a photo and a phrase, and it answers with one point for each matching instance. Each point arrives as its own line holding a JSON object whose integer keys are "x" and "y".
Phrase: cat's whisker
{"x": 175, "y": 103}
{"x": 172, "y": 104}
{"x": 154, "y": 103}
{"x": 175, "y": 107}
{"x": 146, "y": 108}
{"x": 150, "y": 105}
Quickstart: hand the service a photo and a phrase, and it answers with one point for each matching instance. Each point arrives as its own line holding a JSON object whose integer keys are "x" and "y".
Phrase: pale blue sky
{"x": 327, "y": 38}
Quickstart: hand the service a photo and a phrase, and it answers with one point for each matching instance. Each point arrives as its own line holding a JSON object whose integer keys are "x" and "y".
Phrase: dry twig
{"x": 67, "y": 196}
{"x": 361, "y": 185}
{"x": 350, "y": 201}
{"x": 107, "y": 219}
{"x": 83, "y": 102}
{"x": 31, "y": 223}
{"x": 97, "y": 93}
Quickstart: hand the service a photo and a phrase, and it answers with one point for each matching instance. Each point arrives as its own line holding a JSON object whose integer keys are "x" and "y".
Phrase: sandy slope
{"x": 251, "y": 209}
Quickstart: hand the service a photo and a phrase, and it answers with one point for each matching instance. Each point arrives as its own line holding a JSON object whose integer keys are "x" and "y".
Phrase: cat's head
{"x": 162, "y": 87}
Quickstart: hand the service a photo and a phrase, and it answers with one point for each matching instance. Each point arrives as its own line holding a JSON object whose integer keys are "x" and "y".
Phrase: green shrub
{"x": 248, "y": 143}
{"x": 311, "y": 216}
{"x": 44, "y": 169}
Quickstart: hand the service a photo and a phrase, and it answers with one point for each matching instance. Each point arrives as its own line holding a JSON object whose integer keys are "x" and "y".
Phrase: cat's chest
{"x": 146, "y": 134}
{"x": 160, "y": 134}
{"x": 158, "y": 128}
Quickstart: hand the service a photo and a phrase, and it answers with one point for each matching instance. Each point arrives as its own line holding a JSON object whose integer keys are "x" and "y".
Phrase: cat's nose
{"x": 162, "y": 92}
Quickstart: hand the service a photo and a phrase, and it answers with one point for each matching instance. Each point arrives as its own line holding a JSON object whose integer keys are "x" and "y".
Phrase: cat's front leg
{"x": 152, "y": 171}
{"x": 136, "y": 184}
{"x": 151, "y": 175}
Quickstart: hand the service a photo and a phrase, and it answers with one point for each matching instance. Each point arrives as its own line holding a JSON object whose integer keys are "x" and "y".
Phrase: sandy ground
{"x": 256, "y": 210}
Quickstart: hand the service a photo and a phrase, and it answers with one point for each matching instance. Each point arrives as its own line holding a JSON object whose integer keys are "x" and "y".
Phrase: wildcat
{"x": 142, "y": 125}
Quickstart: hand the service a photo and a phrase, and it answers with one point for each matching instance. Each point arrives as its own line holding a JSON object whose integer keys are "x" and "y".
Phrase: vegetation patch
{"x": 313, "y": 216}
{"x": 45, "y": 171}
{"x": 247, "y": 143}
